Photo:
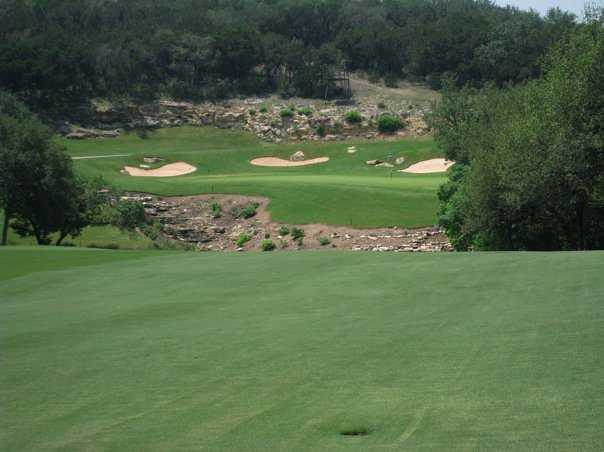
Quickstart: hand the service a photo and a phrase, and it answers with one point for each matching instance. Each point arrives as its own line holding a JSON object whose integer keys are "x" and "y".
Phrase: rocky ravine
{"x": 191, "y": 220}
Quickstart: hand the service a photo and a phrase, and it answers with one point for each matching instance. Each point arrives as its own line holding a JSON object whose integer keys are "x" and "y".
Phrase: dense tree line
{"x": 530, "y": 159}
{"x": 56, "y": 53}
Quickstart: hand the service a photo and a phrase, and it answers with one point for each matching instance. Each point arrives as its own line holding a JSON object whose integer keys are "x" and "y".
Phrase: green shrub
{"x": 268, "y": 245}
{"x": 129, "y": 215}
{"x": 337, "y": 127}
{"x": 153, "y": 230}
{"x": 250, "y": 210}
{"x": 297, "y": 233}
{"x": 263, "y": 109}
{"x": 389, "y": 124}
{"x": 246, "y": 212}
{"x": 216, "y": 210}
{"x": 287, "y": 113}
{"x": 243, "y": 239}
{"x": 381, "y": 105}
{"x": 324, "y": 241}
{"x": 252, "y": 112}
{"x": 306, "y": 111}
{"x": 283, "y": 231}
{"x": 353, "y": 117}
{"x": 321, "y": 130}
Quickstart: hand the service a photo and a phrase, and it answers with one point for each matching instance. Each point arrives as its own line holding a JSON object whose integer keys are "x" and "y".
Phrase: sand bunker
{"x": 429, "y": 166}
{"x": 169, "y": 170}
{"x": 277, "y": 162}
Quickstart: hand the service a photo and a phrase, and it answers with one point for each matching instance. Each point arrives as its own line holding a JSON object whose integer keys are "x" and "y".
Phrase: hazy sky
{"x": 575, "y": 6}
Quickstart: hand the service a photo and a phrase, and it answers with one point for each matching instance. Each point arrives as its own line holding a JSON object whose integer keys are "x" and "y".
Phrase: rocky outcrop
{"x": 193, "y": 221}
{"x": 82, "y": 134}
{"x": 310, "y": 122}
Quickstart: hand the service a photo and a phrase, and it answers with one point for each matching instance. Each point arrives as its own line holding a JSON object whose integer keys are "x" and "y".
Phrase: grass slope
{"x": 343, "y": 191}
{"x": 170, "y": 351}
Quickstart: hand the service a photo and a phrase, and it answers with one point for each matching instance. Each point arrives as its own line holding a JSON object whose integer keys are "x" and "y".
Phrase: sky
{"x": 575, "y": 6}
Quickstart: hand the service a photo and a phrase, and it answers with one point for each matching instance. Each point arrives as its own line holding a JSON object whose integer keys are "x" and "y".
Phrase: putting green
{"x": 172, "y": 351}
{"x": 342, "y": 191}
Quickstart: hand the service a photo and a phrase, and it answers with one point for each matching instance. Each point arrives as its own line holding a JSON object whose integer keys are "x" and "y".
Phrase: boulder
{"x": 152, "y": 159}
{"x": 298, "y": 156}
{"x": 400, "y": 160}
{"x": 384, "y": 165}
{"x": 374, "y": 162}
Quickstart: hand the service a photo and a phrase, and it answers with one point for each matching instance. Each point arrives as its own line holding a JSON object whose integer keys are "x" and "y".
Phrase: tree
{"x": 535, "y": 156}
{"x": 38, "y": 187}
{"x": 14, "y": 118}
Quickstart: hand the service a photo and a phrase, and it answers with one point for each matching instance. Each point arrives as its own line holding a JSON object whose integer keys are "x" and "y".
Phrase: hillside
{"x": 155, "y": 351}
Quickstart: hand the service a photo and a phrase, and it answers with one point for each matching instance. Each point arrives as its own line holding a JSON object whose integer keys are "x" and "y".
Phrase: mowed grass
{"x": 344, "y": 191}
{"x": 113, "y": 350}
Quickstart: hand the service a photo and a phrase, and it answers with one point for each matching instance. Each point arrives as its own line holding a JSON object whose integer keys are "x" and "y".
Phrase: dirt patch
{"x": 214, "y": 223}
{"x": 429, "y": 166}
{"x": 281, "y": 163}
{"x": 169, "y": 170}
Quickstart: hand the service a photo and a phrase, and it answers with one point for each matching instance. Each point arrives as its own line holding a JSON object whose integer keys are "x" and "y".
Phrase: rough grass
{"x": 171, "y": 351}
{"x": 343, "y": 191}
{"x": 99, "y": 236}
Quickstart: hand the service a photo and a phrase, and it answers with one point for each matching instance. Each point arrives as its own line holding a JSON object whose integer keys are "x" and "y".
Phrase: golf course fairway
{"x": 144, "y": 350}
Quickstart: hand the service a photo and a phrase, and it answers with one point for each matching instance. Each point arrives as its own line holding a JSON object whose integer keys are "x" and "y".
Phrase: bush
{"x": 391, "y": 80}
{"x": 153, "y": 230}
{"x": 129, "y": 215}
{"x": 353, "y": 117}
{"x": 216, "y": 210}
{"x": 252, "y": 112}
{"x": 306, "y": 111}
{"x": 263, "y": 109}
{"x": 247, "y": 212}
{"x": 287, "y": 113}
{"x": 250, "y": 210}
{"x": 297, "y": 233}
{"x": 283, "y": 231}
{"x": 243, "y": 239}
{"x": 389, "y": 124}
{"x": 268, "y": 245}
{"x": 321, "y": 130}
{"x": 324, "y": 241}
{"x": 381, "y": 105}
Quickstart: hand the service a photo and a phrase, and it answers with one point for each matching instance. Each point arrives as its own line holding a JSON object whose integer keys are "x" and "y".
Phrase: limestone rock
{"x": 298, "y": 156}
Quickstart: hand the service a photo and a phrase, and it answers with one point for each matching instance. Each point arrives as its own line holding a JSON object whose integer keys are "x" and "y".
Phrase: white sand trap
{"x": 277, "y": 162}
{"x": 429, "y": 166}
{"x": 169, "y": 170}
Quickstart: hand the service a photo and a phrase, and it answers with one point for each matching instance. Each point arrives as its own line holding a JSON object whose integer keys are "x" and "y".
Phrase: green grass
{"x": 344, "y": 191}
{"x": 114, "y": 350}
{"x": 98, "y": 236}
